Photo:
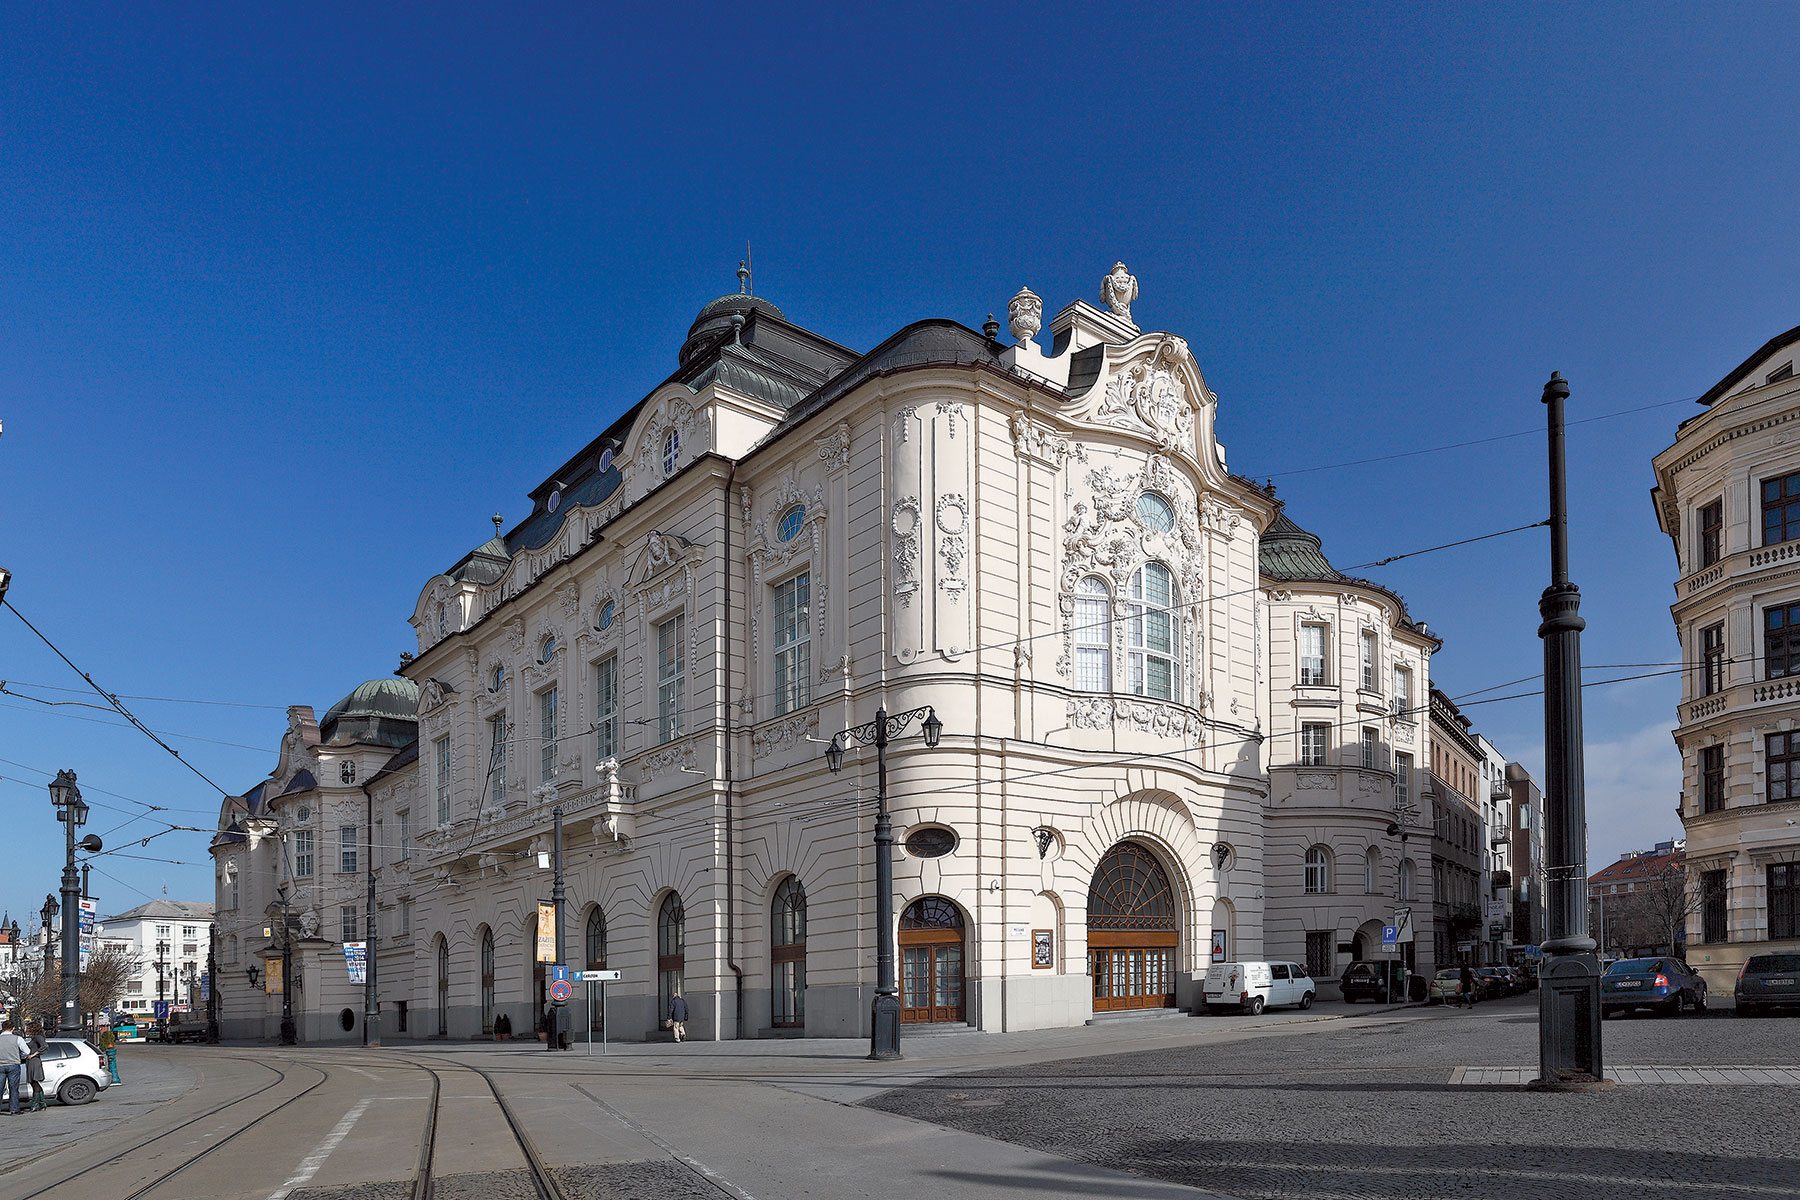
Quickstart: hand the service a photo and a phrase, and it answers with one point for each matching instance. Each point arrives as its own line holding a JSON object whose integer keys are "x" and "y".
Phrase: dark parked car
{"x": 1363, "y": 981}
{"x": 1768, "y": 981}
{"x": 1492, "y": 983}
{"x": 1664, "y": 984}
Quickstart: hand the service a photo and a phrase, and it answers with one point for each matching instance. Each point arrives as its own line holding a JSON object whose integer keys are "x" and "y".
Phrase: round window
{"x": 305, "y": 813}
{"x": 1155, "y": 512}
{"x": 605, "y": 619}
{"x": 671, "y": 451}
{"x": 347, "y": 1019}
{"x": 554, "y": 502}
{"x": 790, "y": 523}
{"x": 931, "y": 842}
{"x": 547, "y": 649}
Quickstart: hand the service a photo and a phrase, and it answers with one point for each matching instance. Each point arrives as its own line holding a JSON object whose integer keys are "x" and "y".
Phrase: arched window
{"x": 1372, "y": 871}
{"x": 443, "y": 986}
{"x": 671, "y": 451}
{"x": 487, "y": 980}
{"x": 1154, "y": 512}
{"x": 1133, "y": 929}
{"x": 671, "y": 953}
{"x": 1093, "y": 635}
{"x": 1155, "y": 632}
{"x": 1318, "y": 870}
{"x": 1406, "y": 879}
{"x": 596, "y": 961}
{"x": 787, "y": 946}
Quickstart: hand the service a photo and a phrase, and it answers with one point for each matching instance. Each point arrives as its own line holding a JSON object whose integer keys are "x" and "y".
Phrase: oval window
{"x": 547, "y": 649}
{"x": 790, "y": 523}
{"x": 932, "y": 842}
{"x": 1155, "y": 512}
{"x": 305, "y": 813}
{"x": 554, "y": 503}
{"x": 347, "y": 1019}
{"x": 605, "y": 620}
{"x": 499, "y": 679}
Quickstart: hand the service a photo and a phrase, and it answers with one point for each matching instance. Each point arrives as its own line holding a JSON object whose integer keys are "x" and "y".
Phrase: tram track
{"x": 543, "y": 1181}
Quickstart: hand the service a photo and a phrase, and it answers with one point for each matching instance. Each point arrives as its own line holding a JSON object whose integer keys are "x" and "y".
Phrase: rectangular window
{"x": 442, "y": 746}
{"x": 234, "y": 889}
{"x": 1312, "y": 744}
{"x": 1402, "y": 781}
{"x": 547, "y": 736}
{"x": 1712, "y": 907}
{"x": 1712, "y": 525}
{"x": 347, "y": 850}
{"x": 162, "y": 931}
{"x": 1781, "y": 641}
{"x": 1371, "y": 752}
{"x": 1318, "y": 955}
{"x": 404, "y": 821}
{"x": 1781, "y": 509}
{"x": 1403, "y": 693}
{"x": 668, "y": 679}
{"x": 1712, "y": 778}
{"x": 497, "y": 759}
{"x": 1712, "y": 659}
{"x": 606, "y": 708}
{"x": 347, "y": 922}
{"x": 1781, "y": 764}
{"x": 303, "y": 857}
{"x": 189, "y": 931}
{"x": 793, "y": 644}
{"x": 1370, "y": 680}
{"x": 1093, "y": 635}
{"x": 405, "y": 919}
{"x": 1312, "y": 655}
{"x": 1784, "y": 901}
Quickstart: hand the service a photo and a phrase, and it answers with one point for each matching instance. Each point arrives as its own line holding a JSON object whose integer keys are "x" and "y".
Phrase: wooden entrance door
{"x": 931, "y": 962}
{"x": 1132, "y": 931}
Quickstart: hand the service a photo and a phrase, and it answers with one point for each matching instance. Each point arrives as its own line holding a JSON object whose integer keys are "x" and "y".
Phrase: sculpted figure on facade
{"x": 1025, "y": 315}
{"x": 1118, "y": 290}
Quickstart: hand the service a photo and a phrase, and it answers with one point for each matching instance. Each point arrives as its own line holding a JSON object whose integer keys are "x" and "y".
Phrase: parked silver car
{"x": 74, "y": 1072}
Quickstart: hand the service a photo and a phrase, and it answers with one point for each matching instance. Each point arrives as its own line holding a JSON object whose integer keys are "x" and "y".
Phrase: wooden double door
{"x": 1132, "y": 974}
{"x": 931, "y": 962}
{"x": 1132, "y": 931}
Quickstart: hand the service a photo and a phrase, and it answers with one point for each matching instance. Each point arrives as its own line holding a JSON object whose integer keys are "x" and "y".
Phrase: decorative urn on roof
{"x": 1118, "y": 290}
{"x": 1025, "y": 315}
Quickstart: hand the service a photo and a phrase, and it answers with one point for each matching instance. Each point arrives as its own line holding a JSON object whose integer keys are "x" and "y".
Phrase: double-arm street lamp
{"x": 261, "y": 827}
{"x": 72, "y": 811}
{"x": 884, "y": 1035}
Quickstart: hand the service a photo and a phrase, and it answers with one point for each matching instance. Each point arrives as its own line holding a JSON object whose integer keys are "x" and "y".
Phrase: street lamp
{"x": 48, "y": 912}
{"x": 71, "y": 811}
{"x": 884, "y": 1026}
{"x": 261, "y": 827}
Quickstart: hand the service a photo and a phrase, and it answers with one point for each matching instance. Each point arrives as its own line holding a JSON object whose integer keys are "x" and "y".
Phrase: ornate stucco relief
{"x": 1034, "y": 439}
{"x": 905, "y": 524}
{"x": 953, "y": 545}
{"x": 779, "y": 735}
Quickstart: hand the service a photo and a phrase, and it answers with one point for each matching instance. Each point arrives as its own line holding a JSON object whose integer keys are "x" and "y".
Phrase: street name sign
{"x": 599, "y": 976}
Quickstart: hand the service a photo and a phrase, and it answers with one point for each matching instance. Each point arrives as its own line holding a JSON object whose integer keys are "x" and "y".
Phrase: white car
{"x": 74, "y": 1072}
{"x": 1252, "y": 986}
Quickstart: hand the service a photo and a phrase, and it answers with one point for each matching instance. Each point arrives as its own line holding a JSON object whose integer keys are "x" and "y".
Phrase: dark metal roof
{"x": 1288, "y": 552}
{"x": 302, "y": 781}
{"x": 1780, "y": 342}
{"x": 380, "y": 712}
{"x": 716, "y": 316}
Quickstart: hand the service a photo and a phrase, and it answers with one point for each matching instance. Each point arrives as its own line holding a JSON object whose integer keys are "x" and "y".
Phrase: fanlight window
{"x": 932, "y": 912}
{"x": 791, "y": 521}
{"x": 1154, "y": 512}
{"x": 1130, "y": 890}
{"x": 1318, "y": 870}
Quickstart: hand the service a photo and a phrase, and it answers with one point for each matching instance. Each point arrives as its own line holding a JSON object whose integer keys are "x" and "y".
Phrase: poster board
{"x": 1043, "y": 949}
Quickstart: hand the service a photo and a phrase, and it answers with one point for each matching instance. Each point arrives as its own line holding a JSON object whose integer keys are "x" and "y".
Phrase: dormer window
{"x": 1784, "y": 371}
{"x": 347, "y": 772}
{"x": 1154, "y": 513}
{"x": 547, "y": 648}
{"x": 671, "y": 451}
{"x": 604, "y": 618}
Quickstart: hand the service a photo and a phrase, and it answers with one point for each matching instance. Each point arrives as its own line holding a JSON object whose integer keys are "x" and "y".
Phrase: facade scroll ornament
{"x": 953, "y": 524}
{"x": 951, "y": 412}
{"x": 515, "y": 635}
{"x": 1032, "y": 439}
{"x": 569, "y": 596}
{"x": 1151, "y": 395}
{"x": 834, "y": 447}
{"x": 664, "y": 759}
{"x": 779, "y": 735}
{"x": 1314, "y": 782}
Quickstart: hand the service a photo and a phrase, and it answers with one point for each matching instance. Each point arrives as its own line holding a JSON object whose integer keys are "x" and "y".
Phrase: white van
{"x": 1252, "y": 986}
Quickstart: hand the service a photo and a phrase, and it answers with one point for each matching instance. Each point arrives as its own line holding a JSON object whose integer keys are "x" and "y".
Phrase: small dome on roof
{"x": 381, "y": 712}
{"x": 716, "y": 317}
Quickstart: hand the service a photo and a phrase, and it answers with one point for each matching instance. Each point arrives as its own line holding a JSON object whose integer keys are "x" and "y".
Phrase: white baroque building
{"x": 1043, "y": 545}
{"x": 1728, "y": 495}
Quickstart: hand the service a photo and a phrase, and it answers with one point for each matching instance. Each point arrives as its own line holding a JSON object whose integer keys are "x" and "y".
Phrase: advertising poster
{"x": 546, "y": 932}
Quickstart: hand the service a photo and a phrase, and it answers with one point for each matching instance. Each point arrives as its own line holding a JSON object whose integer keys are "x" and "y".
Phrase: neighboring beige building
{"x": 1728, "y": 495}
{"x": 1043, "y": 545}
{"x": 1346, "y": 842}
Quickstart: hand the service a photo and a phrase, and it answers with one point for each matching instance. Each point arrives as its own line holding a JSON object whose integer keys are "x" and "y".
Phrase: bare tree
{"x": 1655, "y": 912}
{"x": 38, "y": 993}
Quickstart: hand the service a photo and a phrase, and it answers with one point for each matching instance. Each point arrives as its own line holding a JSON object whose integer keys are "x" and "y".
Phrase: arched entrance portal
{"x": 1132, "y": 931}
{"x": 931, "y": 961}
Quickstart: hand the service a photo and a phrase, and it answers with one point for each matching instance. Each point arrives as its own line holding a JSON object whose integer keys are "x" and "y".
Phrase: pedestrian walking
{"x": 34, "y": 1065}
{"x": 13, "y": 1051}
{"x": 678, "y": 1015}
{"x": 1465, "y": 986}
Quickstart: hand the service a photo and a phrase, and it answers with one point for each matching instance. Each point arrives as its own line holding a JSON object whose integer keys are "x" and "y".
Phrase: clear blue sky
{"x": 291, "y": 303}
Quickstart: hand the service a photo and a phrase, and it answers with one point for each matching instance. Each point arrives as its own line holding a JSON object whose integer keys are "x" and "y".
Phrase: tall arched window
{"x": 443, "y": 987}
{"x": 1093, "y": 635}
{"x": 596, "y": 961}
{"x": 487, "y": 980}
{"x": 787, "y": 950}
{"x": 1372, "y": 871}
{"x": 1318, "y": 870}
{"x": 1155, "y": 633}
{"x": 671, "y": 953}
{"x": 1406, "y": 879}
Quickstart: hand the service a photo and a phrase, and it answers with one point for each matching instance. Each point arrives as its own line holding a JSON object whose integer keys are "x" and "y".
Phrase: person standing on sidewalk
{"x": 678, "y": 1015}
{"x": 1465, "y": 986}
{"x": 34, "y": 1065}
{"x": 13, "y": 1051}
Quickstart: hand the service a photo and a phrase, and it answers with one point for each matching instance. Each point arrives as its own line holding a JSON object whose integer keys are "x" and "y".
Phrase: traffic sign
{"x": 1390, "y": 934}
{"x": 599, "y": 976}
{"x": 559, "y": 991}
{"x": 559, "y": 972}
{"x": 160, "y": 1008}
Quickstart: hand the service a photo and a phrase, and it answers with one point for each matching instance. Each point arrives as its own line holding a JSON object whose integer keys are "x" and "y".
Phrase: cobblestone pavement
{"x": 1366, "y": 1109}
{"x": 146, "y": 1081}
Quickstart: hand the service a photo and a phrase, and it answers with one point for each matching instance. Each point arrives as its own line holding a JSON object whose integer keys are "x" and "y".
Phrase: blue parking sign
{"x": 1390, "y": 934}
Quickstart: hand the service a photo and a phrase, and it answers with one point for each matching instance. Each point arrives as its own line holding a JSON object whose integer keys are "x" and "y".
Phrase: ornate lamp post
{"x": 1569, "y": 988}
{"x": 48, "y": 913}
{"x": 884, "y": 1035}
{"x": 71, "y": 811}
{"x": 261, "y": 827}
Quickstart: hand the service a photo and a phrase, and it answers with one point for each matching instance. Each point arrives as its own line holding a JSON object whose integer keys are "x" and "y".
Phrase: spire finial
{"x": 743, "y": 279}
{"x": 498, "y": 521}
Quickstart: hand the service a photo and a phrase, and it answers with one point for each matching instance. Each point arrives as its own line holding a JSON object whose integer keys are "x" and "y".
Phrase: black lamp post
{"x": 1569, "y": 987}
{"x": 261, "y": 827}
{"x": 884, "y": 1028}
{"x": 71, "y": 811}
{"x": 48, "y": 912}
